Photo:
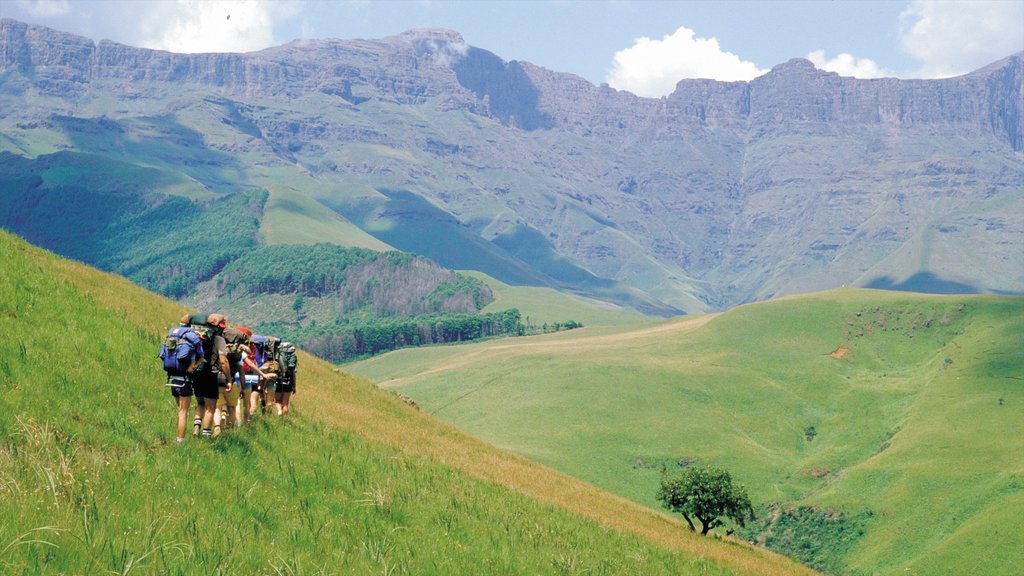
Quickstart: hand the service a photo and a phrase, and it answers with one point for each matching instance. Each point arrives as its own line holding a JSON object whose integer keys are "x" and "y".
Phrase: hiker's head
{"x": 218, "y": 321}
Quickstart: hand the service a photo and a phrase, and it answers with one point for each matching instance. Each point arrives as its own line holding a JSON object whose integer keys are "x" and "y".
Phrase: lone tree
{"x": 707, "y": 494}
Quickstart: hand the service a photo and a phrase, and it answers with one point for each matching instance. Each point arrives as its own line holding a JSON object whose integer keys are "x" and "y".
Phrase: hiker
{"x": 251, "y": 382}
{"x": 238, "y": 343}
{"x": 268, "y": 385}
{"x": 247, "y": 376}
{"x": 286, "y": 381}
{"x": 182, "y": 354}
{"x": 265, "y": 359}
{"x": 205, "y": 379}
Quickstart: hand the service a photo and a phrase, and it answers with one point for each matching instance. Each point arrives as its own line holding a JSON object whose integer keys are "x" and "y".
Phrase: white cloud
{"x": 45, "y": 8}
{"x": 651, "y": 68}
{"x": 848, "y": 65}
{"x": 193, "y": 26}
{"x": 956, "y": 37}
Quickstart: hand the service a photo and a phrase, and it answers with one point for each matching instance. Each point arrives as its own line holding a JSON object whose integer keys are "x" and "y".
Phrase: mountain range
{"x": 718, "y": 194}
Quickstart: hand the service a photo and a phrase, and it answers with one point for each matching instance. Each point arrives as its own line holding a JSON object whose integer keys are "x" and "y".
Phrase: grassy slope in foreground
{"x": 917, "y": 416}
{"x": 357, "y": 482}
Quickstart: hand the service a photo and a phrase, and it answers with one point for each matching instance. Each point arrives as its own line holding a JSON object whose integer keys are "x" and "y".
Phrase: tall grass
{"x": 357, "y": 482}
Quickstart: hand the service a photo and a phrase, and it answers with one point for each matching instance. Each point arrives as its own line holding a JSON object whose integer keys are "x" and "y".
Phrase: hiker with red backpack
{"x": 246, "y": 374}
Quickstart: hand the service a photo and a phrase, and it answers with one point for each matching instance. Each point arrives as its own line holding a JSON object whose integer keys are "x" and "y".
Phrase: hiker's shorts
{"x": 205, "y": 386}
{"x": 181, "y": 387}
{"x": 285, "y": 385}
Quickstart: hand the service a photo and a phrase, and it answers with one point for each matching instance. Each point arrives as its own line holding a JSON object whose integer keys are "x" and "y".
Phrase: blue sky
{"x": 639, "y": 45}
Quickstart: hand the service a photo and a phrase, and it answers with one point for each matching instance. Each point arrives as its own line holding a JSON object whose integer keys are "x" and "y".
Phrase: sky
{"x": 643, "y": 46}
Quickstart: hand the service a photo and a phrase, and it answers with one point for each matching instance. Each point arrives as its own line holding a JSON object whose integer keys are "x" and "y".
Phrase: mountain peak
{"x": 797, "y": 66}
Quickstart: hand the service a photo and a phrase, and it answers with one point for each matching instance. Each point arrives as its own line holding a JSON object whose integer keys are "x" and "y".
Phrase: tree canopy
{"x": 707, "y": 494}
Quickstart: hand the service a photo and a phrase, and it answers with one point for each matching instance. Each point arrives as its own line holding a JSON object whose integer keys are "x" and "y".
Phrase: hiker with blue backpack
{"x": 182, "y": 354}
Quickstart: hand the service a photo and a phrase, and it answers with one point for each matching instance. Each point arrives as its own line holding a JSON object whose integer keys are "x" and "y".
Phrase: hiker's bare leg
{"x": 209, "y": 410}
{"x": 233, "y": 414}
{"x": 281, "y": 402}
{"x": 254, "y": 401}
{"x": 183, "y": 403}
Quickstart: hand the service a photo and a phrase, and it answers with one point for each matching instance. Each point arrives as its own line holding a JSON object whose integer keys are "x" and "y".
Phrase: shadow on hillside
{"x": 511, "y": 95}
{"x": 925, "y": 282}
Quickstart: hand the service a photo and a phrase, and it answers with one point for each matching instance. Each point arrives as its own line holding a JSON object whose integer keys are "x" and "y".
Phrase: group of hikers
{"x": 232, "y": 373}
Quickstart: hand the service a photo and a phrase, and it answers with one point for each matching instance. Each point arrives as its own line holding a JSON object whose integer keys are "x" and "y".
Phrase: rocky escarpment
{"x": 720, "y": 193}
{"x": 421, "y": 64}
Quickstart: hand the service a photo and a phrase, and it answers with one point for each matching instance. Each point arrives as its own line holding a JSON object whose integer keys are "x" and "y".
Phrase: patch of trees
{"x": 175, "y": 243}
{"x": 364, "y": 282}
{"x": 348, "y": 339}
{"x": 364, "y": 338}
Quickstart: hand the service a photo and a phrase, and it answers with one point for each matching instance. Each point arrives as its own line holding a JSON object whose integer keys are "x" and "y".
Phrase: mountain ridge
{"x": 718, "y": 194}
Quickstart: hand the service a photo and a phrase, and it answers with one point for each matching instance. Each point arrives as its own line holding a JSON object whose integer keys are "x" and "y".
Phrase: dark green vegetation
{"x": 108, "y": 214}
{"x": 896, "y": 416}
{"x": 343, "y": 303}
{"x": 820, "y": 538}
{"x": 92, "y": 481}
{"x": 706, "y": 494}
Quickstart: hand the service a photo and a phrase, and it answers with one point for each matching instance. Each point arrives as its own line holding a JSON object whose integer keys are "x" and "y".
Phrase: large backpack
{"x": 289, "y": 360}
{"x": 266, "y": 348}
{"x": 238, "y": 343}
{"x": 180, "y": 347}
{"x": 204, "y": 323}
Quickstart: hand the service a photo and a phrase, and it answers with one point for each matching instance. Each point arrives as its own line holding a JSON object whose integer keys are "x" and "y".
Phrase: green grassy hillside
{"x": 356, "y": 482}
{"x": 880, "y": 431}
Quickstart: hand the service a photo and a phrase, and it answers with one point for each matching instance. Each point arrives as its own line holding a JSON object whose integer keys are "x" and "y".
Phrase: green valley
{"x": 892, "y": 421}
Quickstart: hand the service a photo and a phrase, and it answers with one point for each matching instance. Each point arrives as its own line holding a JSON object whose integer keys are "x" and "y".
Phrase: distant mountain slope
{"x": 719, "y": 194}
{"x": 879, "y": 431}
{"x": 357, "y": 482}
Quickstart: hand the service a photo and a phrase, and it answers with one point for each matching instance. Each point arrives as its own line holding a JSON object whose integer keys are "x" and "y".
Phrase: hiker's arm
{"x": 225, "y": 370}
{"x": 255, "y": 367}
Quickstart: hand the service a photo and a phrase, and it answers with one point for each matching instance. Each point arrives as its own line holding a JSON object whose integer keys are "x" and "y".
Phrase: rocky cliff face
{"x": 717, "y": 194}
